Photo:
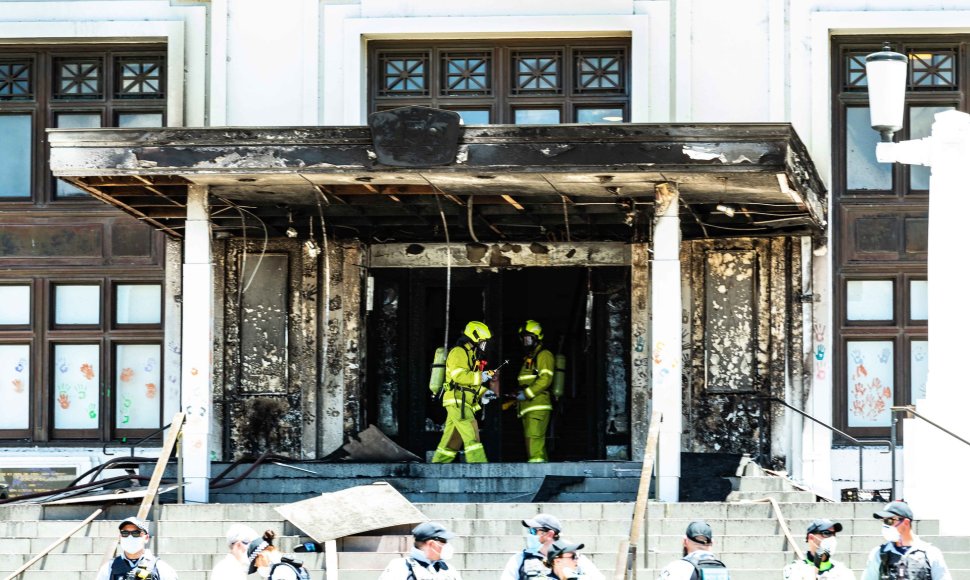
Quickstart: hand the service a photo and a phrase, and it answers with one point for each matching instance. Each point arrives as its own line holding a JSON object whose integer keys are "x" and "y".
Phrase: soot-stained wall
{"x": 740, "y": 310}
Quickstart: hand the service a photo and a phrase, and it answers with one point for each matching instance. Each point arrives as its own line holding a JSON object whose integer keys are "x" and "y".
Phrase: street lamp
{"x": 946, "y": 151}
{"x": 886, "y": 77}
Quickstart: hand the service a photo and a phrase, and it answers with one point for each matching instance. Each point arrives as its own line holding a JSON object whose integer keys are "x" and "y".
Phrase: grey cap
{"x": 822, "y": 524}
{"x": 560, "y": 547}
{"x": 547, "y": 521}
{"x": 431, "y": 530}
{"x": 135, "y": 521}
{"x": 894, "y": 508}
{"x": 699, "y": 531}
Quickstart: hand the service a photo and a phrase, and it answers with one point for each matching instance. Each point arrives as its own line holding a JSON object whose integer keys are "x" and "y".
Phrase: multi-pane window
{"x": 506, "y": 82}
{"x": 102, "y": 338}
{"x": 76, "y": 88}
{"x": 881, "y": 220}
{"x": 80, "y": 283}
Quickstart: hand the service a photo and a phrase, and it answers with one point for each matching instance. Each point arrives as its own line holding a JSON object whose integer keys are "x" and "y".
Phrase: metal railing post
{"x": 890, "y": 444}
{"x": 892, "y": 439}
{"x": 860, "y": 467}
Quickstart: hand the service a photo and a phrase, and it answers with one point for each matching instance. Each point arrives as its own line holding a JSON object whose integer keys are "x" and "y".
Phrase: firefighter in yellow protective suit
{"x": 465, "y": 392}
{"x": 535, "y": 399}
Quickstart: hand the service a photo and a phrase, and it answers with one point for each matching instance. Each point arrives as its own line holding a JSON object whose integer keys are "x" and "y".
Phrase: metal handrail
{"x": 911, "y": 410}
{"x": 891, "y": 447}
{"x": 124, "y": 441}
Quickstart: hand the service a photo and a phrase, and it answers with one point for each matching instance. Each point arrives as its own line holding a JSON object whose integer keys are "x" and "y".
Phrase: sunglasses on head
{"x": 133, "y": 533}
{"x": 826, "y": 533}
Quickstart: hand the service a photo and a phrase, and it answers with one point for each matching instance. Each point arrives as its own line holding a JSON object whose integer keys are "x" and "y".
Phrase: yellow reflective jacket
{"x": 463, "y": 385}
{"x": 535, "y": 379}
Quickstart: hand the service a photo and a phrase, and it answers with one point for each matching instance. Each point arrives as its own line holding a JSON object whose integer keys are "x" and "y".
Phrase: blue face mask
{"x": 532, "y": 543}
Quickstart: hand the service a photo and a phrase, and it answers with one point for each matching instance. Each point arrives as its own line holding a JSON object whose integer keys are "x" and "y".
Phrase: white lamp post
{"x": 928, "y": 483}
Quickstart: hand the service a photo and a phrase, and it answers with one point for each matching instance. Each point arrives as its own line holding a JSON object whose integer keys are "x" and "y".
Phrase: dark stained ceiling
{"x": 512, "y": 183}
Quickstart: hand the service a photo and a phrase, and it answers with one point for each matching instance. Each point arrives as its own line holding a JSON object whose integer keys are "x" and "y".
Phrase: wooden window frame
{"x": 43, "y": 335}
{"x": 899, "y": 201}
{"x": 44, "y": 107}
{"x": 504, "y": 99}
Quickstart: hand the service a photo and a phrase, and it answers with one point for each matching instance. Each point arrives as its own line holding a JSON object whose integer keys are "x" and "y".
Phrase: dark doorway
{"x": 407, "y": 325}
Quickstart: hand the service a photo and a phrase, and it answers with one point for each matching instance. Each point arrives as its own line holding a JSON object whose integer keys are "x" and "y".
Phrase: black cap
{"x": 560, "y": 547}
{"x": 431, "y": 530}
{"x": 547, "y": 521}
{"x": 822, "y": 524}
{"x": 699, "y": 531}
{"x": 135, "y": 521}
{"x": 894, "y": 508}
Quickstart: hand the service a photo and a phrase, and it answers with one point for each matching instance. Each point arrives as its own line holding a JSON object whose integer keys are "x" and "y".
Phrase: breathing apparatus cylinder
{"x": 559, "y": 377}
{"x": 437, "y": 371}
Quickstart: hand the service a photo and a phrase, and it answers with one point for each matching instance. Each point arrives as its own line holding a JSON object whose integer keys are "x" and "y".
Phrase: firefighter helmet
{"x": 531, "y": 327}
{"x": 477, "y": 331}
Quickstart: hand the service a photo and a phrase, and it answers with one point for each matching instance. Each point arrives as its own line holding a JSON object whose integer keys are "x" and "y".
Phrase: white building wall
{"x": 303, "y": 62}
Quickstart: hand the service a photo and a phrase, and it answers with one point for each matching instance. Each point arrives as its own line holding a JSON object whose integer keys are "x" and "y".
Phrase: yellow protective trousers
{"x": 534, "y": 425}
{"x": 458, "y": 432}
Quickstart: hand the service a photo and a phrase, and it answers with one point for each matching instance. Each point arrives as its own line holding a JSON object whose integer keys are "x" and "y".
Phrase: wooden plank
{"x": 53, "y": 545}
{"x": 174, "y": 431}
{"x": 626, "y": 556}
{"x": 110, "y": 497}
{"x": 351, "y": 511}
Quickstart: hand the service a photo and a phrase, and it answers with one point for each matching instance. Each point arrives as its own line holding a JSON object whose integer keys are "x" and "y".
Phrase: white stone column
{"x": 665, "y": 306}
{"x": 933, "y": 471}
{"x": 197, "y": 311}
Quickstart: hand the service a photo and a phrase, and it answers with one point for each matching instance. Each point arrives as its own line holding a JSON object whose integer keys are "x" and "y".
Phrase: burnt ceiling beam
{"x": 140, "y": 170}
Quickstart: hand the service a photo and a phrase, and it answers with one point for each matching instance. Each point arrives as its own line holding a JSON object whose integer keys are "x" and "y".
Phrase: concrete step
{"x": 765, "y": 484}
{"x": 779, "y": 496}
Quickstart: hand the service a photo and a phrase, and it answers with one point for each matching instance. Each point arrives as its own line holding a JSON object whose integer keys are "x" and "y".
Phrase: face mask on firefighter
{"x": 528, "y": 340}
{"x": 482, "y": 345}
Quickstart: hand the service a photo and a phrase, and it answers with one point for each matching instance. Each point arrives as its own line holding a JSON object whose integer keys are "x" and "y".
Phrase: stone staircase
{"x": 747, "y": 537}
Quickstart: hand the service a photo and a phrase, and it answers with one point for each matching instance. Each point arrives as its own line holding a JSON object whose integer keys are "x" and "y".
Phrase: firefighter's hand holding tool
{"x": 487, "y": 376}
{"x": 488, "y": 397}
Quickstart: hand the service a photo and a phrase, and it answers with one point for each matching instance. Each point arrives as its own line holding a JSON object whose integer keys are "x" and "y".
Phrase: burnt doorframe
{"x": 410, "y": 287}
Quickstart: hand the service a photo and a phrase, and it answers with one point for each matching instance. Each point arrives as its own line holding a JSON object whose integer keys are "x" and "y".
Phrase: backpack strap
{"x": 409, "y": 562}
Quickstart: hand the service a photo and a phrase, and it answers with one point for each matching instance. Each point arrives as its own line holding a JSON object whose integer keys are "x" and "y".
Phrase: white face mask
{"x": 263, "y": 571}
{"x": 827, "y": 546}
{"x": 132, "y": 545}
{"x": 890, "y": 533}
{"x": 532, "y": 542}
{"x": 447, "y": 552}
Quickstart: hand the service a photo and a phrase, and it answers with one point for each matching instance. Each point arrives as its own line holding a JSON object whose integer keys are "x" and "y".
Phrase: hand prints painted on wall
{"x": 869, "y": 368}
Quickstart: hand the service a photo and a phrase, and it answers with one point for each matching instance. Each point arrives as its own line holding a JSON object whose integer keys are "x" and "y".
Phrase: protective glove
{"x": 488, "y": 397}
{"x": 486, "y": 376}
{"x": 520, "y": 396}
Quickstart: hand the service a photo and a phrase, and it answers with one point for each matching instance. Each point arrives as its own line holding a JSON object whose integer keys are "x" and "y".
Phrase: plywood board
{"x": 351, "y": 511}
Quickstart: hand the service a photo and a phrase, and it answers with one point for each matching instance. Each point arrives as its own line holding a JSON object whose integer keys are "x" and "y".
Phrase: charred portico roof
{"x": 555, "y": 182}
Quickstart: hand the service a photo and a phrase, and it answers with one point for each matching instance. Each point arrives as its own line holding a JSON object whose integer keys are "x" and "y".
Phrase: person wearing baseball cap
{"x": 136, "y": 562}
{"x": 818, "y": 561}
{"x": 541, "y": 532}
{"x": 698, "y": 543}
{"x": 428, "y": 557}
{"x": 904, "y": 554}
{"x": 562, "y": 560}
{"x": 234, "y": 566}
